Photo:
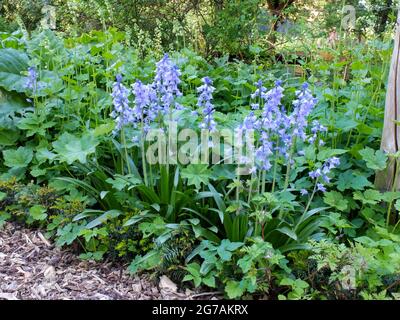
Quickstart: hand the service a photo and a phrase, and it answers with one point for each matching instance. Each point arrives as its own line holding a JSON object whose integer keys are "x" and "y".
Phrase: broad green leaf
{"x": 8, "y": 137}
{"x": 35, "y": 124}
{"x": 4, "y": 216}
{"x": 67, "y": 234}
{"x": 376, "y": 160}
{"x": 226, "y": 248}
{"x": 397, "y": 205}
{"x": 345, "y": 124}
{"x": 12, "y": 63}
{"x": 390, "y": 196}
{"x": 335, "y": 200}
{"x": 196, "y": 174}
{"x": 233, "y": 289}
{"x": 71, "y": 148}
{"x": 37, "y": 172}
{"x": 370, "y": 196}
{"x": 104, "y": 129}
{"x": 42, "y": 155}
{"x": 351, "y": 180}
{"x": 19, "y": 158}
{"x": 86, "y": 213}
{"x": 119, "y": 182}
{"x": 329, "y": 153}
{"x": 209, "y": 281}
{"x": 38, "y": 212}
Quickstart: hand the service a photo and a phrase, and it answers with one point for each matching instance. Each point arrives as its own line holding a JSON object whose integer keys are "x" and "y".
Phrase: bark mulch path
{"x": 31, "y": 267}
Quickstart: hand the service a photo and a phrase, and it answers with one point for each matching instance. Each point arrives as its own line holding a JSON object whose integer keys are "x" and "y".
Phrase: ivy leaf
{"x": 226, "y": 247}
{"x": 370, "y": 196}
{"x": 335, "y": 200}
{"x": 71, "y": 148}
{"x": 19, "y": 158}
{"x": 351, "y": 180}
{"x": 376, "y": 160}
{"x": 67, "y": 234}
{"x": 194, "y": 270}
{"x": 196, "y": 174}
{"x": 38, "y": 212}
{"x": 233, "y": 289}
{"x": 35, "y": 124}
{"x": 209, "y": 281}
{"x": 245, "y": 263}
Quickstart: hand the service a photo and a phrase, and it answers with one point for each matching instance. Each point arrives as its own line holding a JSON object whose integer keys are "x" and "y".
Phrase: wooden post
{"x": 391, "y": 130}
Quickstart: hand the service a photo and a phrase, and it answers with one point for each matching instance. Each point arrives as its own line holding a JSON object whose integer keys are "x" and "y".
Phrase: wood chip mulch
{"x": 31, "y": 267}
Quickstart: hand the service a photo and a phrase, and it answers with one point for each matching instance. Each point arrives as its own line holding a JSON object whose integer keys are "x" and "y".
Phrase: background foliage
{"x": 63, "y": 169}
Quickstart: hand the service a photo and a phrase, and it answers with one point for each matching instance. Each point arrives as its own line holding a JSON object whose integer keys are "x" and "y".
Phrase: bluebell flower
{"x": 166, "y": 83}
{"x": 250, "y": 122}
{"x": 271, "y": 116}
{"x": 145, "y": 110}
{"x": 320, "y": 187}
{"x": 122, "y": 113}
{"x": 303, "y": 192}
{"x": 31, "y": 82}
{"x": 303, "y": 106}
{"x": 315, "y": 174}
{"x": 264, "y": 152}
{"x": 323, "y": 172}
{"x": 316, "y": 127}
{"x": 260, "y": 91}
{"x": 204, "y": 101}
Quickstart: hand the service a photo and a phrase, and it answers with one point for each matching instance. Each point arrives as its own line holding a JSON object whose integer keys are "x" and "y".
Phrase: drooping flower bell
{"x": 323, "y": 172}
{"x": 166, "y": 84}
{"x": 122, "y": 113}
{"x": 204, "y": 101}
{"x": 303, "y": 106}
{"x": 31, "y": 82}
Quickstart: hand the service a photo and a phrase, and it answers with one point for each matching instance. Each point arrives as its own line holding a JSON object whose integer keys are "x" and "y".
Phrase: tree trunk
{"x": 391, "y": 132}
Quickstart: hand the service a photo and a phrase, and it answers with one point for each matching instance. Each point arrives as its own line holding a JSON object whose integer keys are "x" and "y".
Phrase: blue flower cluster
{"x": 151, "y": 100}
{"x": 278, "y": 130}
{"x": 145, "y": 110}
{"x": 166, "y": 84}
{"x": 204, "y": 101}
{"x": 31, "y": 82}
{"x": 122, "y": 113}
{"x": 323, "y": 172}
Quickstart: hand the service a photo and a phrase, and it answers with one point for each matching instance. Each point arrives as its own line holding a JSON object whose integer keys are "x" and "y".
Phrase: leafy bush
{"x": 74, "y": 118}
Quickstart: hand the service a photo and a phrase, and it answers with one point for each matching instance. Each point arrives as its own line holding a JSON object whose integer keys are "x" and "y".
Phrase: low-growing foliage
{"x": 296, "y": 216}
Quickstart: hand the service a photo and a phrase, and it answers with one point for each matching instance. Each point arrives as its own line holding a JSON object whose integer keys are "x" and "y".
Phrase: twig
{"x": 205, "y": 294}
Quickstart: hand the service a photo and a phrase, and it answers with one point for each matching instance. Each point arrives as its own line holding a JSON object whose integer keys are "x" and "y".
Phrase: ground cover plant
{"x": 251, "y": 177}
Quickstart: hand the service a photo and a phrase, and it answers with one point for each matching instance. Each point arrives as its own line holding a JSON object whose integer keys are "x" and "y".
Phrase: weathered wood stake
{"x": 391, "y": 130}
